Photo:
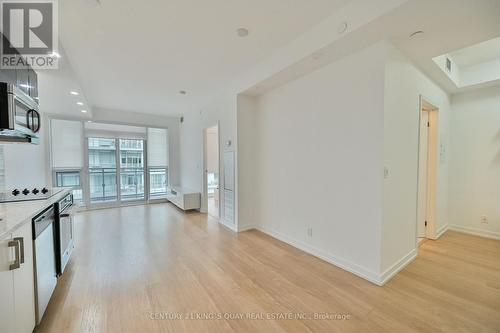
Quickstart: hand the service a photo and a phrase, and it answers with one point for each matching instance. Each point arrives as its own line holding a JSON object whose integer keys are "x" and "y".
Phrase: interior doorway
{"x": 211, "y": 170}
{"x": 427, "y": 170}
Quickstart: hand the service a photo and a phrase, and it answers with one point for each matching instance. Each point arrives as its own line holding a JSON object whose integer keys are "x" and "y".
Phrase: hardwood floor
{"x": 134, "y": 266}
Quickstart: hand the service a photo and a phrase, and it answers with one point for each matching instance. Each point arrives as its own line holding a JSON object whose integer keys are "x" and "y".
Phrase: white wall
{"x": 404, "y": 84}
{"x": 223, "y": 112}
{"x": 475, "y": 162}
{"x": 312, "y": 154}
{"x": 248, "y": 177}
{"x": 481, "y": 73}
{"x": 317, "y": 145}
{"x": 25, "y": 166}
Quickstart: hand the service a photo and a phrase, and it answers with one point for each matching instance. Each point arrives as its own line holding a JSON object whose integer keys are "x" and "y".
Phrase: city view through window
{"x": 110, "y": 164}
{"x": 107, "y": 165}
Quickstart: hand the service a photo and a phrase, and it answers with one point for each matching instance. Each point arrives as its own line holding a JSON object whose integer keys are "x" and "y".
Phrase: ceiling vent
{"x": 448, "y": 65}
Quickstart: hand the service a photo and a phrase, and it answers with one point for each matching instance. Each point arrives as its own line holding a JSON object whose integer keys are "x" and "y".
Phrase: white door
{"x": 7, "y": 313}
{"x": 423, "y": 174}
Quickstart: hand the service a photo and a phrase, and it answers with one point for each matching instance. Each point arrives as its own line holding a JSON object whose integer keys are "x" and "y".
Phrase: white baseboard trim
{"x": 339, "y": 262}
{"x": 398, "y": 266}
{"x": 246, "y": 227}
{"x": 441, "y": 231}
{"x": 228, "y": 225}
{"x": 475, "y": 231}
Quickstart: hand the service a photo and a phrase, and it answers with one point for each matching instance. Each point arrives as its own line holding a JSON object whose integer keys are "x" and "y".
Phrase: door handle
{"x": 15, "y": 245}
{"x": 21, "y": 246}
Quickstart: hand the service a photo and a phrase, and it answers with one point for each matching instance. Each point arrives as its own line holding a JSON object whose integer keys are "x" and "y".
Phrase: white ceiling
{"x": 478, "y": 53}
{"x": 132, "y": 57}
{"x": 448, "y": 25}
{"x": 137, "y": 56}
{"x": 441, "y": 21}
{"x": 54, "y": 91}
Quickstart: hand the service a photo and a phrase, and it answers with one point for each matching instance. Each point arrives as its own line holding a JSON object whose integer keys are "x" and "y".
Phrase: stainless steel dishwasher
{"x": 44, "y": 260}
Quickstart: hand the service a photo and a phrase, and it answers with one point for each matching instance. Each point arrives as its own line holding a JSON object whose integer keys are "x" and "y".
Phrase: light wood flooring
{"x": 135, "y": 266}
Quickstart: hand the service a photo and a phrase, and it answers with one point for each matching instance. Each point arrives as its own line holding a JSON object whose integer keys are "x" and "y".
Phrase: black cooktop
{"x": 28, "y": 194}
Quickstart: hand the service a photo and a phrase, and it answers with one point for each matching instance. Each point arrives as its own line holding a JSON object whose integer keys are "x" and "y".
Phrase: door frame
{"x": 204, "y": 195}
{"x": 426, "y": 105}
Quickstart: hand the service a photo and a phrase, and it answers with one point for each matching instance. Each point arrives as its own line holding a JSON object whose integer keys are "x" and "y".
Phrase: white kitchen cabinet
{"x": 17, "y": 304}
{"x": 24, "y": 284}
{"x": 7, "y": 313}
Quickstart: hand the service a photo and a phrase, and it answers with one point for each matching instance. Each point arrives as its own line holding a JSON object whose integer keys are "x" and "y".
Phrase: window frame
{"x": 83, "y": 171}
{"x": 81, "y": 187}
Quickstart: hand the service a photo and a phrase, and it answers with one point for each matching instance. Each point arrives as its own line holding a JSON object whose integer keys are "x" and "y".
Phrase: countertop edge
{"x": 46, "y": 203}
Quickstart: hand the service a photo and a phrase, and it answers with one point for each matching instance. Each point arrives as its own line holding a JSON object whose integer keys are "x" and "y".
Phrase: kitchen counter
{"x": 14, "y": 215}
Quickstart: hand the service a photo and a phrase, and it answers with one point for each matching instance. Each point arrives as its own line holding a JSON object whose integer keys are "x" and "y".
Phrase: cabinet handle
{"x": 65, "y": 215}
{"x": 36, "y": 127}
{"x": 28, "y": 118}
{"x": 15, "y": 245}
{"x": 21, "y": 246}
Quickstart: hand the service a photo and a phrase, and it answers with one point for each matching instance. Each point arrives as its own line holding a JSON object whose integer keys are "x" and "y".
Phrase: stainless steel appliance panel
{"x": 44, "y": 260}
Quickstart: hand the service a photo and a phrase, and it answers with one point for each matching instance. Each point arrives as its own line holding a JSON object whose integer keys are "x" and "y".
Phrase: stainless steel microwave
{"x": 19, "y": 115}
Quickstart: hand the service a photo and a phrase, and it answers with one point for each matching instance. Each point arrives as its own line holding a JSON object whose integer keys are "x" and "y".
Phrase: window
{"x": 102, "y": 170}
{"x": 70, "y": 178}
{"x": 158, "y": 182}
{"x": 114, "y": 168}
{"x": 131, "y": 169}
{"x": 158, "y": 162}
{"x": 67, "y": 155}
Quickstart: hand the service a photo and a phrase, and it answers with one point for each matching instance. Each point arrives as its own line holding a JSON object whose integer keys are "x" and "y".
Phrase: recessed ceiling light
{"x": 79, "y": 103}
{"x": 74, "y": 93}
{"x": 416, "y": 33}
{"x": 54, "y": 54}
{"x": 183, "y": 92}
{"x": 84, "y": 111}
{"x": 242, "y": 32}
{"x": 89, "y": 121}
